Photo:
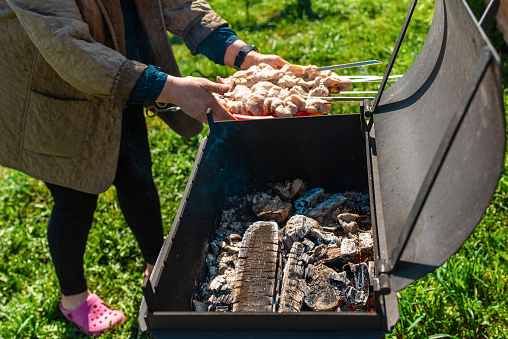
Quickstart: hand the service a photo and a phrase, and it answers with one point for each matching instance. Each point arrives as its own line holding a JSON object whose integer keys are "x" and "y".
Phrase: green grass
{"x": 465, "y": 298}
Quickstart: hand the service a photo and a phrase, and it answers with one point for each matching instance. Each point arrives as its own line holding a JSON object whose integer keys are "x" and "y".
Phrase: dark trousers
{"x": 72, "y": 213}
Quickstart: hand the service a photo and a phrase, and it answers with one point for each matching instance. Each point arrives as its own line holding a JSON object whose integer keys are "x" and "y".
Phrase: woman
{"x": 74, "y": 80}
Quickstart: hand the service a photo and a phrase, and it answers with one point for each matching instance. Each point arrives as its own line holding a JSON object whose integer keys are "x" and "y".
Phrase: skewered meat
{"x": 319, "y": 91}
{"x": 262, "y": 90}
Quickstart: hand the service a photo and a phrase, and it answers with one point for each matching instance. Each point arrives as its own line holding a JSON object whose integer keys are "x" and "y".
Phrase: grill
{"x": 430, "y": 157}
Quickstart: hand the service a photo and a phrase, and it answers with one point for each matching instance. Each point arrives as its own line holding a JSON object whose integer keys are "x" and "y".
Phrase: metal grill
{"x": 430, "y": 155}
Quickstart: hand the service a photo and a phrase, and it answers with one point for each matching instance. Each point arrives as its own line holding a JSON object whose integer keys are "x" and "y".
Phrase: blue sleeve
{"x": 214, "y": 46}
{"x": 149, "y": 86}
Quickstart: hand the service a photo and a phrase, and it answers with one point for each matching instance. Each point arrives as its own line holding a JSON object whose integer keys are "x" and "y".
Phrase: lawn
{"x": 465, "y": 298}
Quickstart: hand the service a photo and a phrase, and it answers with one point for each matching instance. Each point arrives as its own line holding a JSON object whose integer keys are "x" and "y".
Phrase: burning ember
{"x": 290, "y": 249}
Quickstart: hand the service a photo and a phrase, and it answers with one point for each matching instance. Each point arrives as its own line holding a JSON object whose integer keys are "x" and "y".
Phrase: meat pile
{"x": 292, "y": 90}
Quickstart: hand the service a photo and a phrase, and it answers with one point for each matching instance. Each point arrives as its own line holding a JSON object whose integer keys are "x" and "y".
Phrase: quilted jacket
{"x": 64, "y": 81}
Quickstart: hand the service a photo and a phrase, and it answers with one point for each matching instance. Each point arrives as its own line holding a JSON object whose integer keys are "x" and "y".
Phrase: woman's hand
{"x": 194, "y": 97}
{"x": 255, "y": 58}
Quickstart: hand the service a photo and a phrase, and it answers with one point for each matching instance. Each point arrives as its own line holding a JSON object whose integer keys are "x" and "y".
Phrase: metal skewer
{"x": 352, "y": 64}
{"x": 342, "y": 98}
{"x": 372, "y": 78}
{"x": 354, "y": 92}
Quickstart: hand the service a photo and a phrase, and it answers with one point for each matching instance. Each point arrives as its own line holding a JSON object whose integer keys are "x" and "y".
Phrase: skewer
{"x": 342, "y": 98}
{"x": 354, "y": 92}
{"x": 346, "y": 102}
{"x": 372, "y": 78}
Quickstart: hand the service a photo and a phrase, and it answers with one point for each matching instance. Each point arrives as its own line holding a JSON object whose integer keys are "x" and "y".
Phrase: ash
{"x": 324, "y": 257}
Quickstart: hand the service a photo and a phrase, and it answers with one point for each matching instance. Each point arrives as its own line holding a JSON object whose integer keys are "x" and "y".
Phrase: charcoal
{"x": 361, "y": 298}
{"x": 234, "y": 239}
{"x": 309, "y": 272}
{"x": 371, "y": 272}
{"x": 362, "y": 282}
{"x": 365, "y": 242}
{"x": 226, "y": 260}
{"x": 216, "y": 283}
{"x": 290, "y": 190}
{"x": 305, "y": 258}
{"x": 272, "y": 208}
{"x": 283, "y": 190}
{"x": 297, "y": 188}
{"x": 334, "y": 242}
{"x": 294, "y": 235}
{"x": 319, "y": 251}
{"x": 321, "y": 295}
{"x": 212, "y": 271}
{"x": 299, "y": 232}
{"x": 229, "y": 248}
{"x": 322, "y": 212}
{"x": 317, "y": 234}
{"x": 224, "y": 299}
{"x": 222, "y": 308}
{"x": 332, "y": 255}
{"x": 288, "y": 242}
{"x": 333, "y": 227}
{"x": 300, "y": 221}
{"x": 308, "y": 200}
{"x": 365, "y": 223}
{"x": 330, "y": 239}
{"x": 237, "y": 226}
{"x": 350, "y": 295}
{"x": 348, "y": 248}
{"x": 309, "y": 245}
{"x": 226, "y": 288}
{"x": 212, "y": 299}
{"x": 348, "y": 223}
{"x": 357, "y": 202}
{"x": 199, "y": 306}
{"x": 340, "y": 278}
{"x": 214, "y": 248}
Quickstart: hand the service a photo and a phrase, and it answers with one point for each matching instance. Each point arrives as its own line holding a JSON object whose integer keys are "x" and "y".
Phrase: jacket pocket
{"x": 56, "y": 126}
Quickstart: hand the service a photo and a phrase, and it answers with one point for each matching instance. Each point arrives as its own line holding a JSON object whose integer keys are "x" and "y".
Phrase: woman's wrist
{"x": 165, "y": 94}
{"x": 232, "y": 51}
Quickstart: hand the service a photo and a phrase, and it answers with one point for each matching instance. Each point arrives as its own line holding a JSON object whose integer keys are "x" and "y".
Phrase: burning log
{"x": 256, "y": 269}
{"x": 294, "y": 286}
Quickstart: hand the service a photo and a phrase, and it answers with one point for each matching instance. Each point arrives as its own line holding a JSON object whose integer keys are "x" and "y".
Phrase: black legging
{"x": 72, "y": 214}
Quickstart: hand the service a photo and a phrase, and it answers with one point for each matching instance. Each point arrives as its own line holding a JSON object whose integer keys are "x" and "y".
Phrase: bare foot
{"x": 71, "y": 302}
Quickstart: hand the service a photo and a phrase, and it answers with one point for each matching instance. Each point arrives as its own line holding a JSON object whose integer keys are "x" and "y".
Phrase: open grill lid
{"x": 439, "y": 145}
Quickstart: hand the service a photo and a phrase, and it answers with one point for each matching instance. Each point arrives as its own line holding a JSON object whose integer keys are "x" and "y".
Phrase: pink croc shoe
{"x": 93, "y": 317}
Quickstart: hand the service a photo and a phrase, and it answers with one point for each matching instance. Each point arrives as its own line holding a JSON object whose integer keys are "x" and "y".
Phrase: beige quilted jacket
{"x": 64, "y": 81}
